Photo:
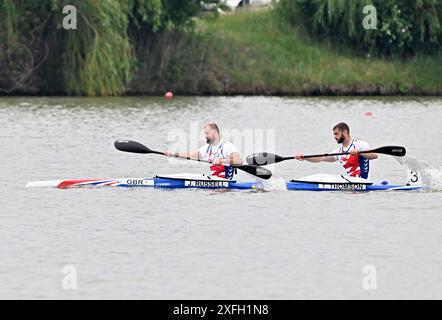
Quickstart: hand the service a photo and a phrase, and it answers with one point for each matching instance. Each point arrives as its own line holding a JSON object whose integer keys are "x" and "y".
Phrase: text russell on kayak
{"x": 223, "y": 153}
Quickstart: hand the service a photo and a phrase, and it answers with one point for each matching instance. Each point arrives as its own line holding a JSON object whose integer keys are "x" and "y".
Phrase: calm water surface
{"x": 194, "y": 244}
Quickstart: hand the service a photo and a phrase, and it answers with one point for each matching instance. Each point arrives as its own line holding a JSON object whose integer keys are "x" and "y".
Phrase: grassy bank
{"x": 255, "y": 52}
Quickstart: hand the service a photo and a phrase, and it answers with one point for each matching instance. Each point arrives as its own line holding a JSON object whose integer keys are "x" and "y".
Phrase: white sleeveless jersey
{"x": 222, "y": 150}
{"x": 355, "y": 166}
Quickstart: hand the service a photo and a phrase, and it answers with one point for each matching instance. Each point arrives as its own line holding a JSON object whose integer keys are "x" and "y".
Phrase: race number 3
{"x": 413, "y": 177}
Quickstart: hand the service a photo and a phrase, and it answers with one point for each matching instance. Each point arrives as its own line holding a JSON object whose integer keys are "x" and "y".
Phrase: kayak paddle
{"x": 264, "y": 158}
{"x": 136, "y": 147}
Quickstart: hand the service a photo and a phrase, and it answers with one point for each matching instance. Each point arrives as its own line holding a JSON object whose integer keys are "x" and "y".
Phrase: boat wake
{"x": 274, "y": 184}
{"x": 421, "y": 172}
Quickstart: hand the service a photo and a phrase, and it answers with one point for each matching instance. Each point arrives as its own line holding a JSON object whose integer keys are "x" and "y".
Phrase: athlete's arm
{"x": 188, "y": 154}
{"x": 329, "y": 159}
{"x": 369, "y": 156}
{"x": 233, "y": 159}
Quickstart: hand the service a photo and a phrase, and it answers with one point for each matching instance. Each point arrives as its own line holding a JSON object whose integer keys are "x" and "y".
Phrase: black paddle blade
{"x": 396, "y": 151}
{"x": 131, "y": 146}
{"x": 260, "y": 172}
{"x": 263, "y": 158}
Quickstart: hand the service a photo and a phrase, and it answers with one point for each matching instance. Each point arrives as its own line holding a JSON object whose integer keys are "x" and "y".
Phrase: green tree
{"x": 405, "y": 27}
{"x": 96, "y": 59}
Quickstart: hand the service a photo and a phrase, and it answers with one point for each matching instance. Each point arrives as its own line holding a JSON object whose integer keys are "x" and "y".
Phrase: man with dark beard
{"x": 355, "y": 164}
{"x": 221, "y": 153}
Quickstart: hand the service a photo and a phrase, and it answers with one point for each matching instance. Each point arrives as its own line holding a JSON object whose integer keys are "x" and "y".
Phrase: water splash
{"x": 273, "y": 184}
{"x": 428, "y": 176}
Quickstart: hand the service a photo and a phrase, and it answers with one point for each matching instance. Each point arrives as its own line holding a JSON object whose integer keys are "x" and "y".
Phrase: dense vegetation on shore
{"x": 151, "y": 46}
{"x": 96, "y": 57}
{"x": 388, "y": 28}
{"x": 255, "y": 52}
